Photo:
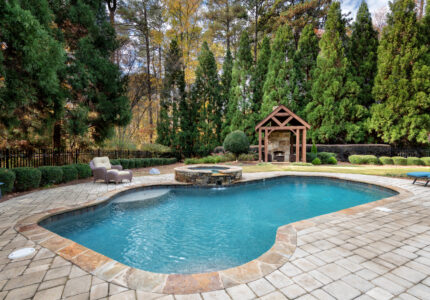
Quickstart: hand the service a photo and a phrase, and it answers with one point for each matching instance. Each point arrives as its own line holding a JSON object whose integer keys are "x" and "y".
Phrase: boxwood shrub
{"x": 414, "y": 161}
{"x": 131, "y": 164}
{"x": 50, "y": 175}
{"x": 325, "y": 156}
{"x": 400, "y": 161}
{"x": 8, "y": 179}
{"x": 426, "y": 160}
{"x": 385, "y": 160}
{"x": 316, "y": 161}
{"x": 84, "y": 170}
{"x": 115, "y": 162}
{"x": 124, "y": 163}
{"x": 332, "y": 160}
{"x": 26, "y": 178}
{"x": 69, "y": 173}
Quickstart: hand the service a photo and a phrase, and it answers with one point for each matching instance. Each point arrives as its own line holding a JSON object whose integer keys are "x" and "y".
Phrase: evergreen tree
{"x": 401, "y": 90}
{"x": 279, "y": 85}
{"x": 227, "y": 69}
{"x": 362, "y": 54}
{"x": 93, "y": 85}
{"x": 31, "y": 60}
{"x": 334, "y": 112}
{"x": 259, "y": 75}
{"x": 305, "y": 62}
{"x": 240, "y": 102}
{"x": 206, "y": 92}
{"x": 172, "y": 93}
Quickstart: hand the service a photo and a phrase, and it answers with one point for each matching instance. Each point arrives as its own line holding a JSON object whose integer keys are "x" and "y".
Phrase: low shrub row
{"x": 211, "y": 159}
{"x": 26, "y": 178}
{"x": 385, "y": 160}
{"x": 325, "y": 158}
{"x": 132, "y": 163}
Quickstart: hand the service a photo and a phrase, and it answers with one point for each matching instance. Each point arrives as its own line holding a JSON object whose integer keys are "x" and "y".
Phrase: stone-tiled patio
{"x": 369, "y": 254}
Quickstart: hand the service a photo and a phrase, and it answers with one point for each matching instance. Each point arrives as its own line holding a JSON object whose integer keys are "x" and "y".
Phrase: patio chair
{"x": 420, "y": 175}
{"x": 102, "y": 169}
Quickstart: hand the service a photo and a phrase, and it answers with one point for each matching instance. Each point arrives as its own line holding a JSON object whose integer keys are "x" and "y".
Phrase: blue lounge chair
{"x": 420, "y": 175}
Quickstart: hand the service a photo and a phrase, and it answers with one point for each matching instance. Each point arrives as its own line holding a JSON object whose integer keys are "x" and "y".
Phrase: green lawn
{"x": 396, "y": 171}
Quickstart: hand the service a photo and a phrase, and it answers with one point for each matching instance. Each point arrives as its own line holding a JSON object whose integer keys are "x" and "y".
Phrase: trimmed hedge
{"x": 26, "y": 178}
{"x": 84, "y": 170}
{"x": 414, "y": 161}
{"x": 131, "y": 163}
{"x": 426, "y": 160}
{"x": 324, "y": 157}
{"x": 400, "y": 161}
{"x": 212, "y": 159}
{"x": 385, "y": 160}
{"x": 8, "y": 179}
{"x": 364, "y": 159}
{"x": 50, "y": 175}
{"x": 69, "y": 173}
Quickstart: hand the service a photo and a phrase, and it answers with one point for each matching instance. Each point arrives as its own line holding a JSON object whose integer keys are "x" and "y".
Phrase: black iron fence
{"x": 46, "y": 157}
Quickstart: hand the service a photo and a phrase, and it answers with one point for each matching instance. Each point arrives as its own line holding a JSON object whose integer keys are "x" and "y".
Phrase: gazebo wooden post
{"x": 266, "y": 145}
{"x": 304, "y": 146}
{"x": 259, "y": 145}
{"x": 297, "y": 145}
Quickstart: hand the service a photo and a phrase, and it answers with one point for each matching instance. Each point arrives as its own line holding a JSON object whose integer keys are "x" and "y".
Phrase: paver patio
{"x": 372, "y": 254}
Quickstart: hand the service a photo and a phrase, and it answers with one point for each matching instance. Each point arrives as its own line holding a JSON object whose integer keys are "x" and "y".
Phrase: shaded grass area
{"x": 392, "y": 171}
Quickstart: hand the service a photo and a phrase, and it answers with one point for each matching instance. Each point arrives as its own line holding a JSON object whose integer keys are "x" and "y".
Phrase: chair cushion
{"x": 419, "y": 174}
{"x": 125, "y": 172}
{"x": 102, "y": 162}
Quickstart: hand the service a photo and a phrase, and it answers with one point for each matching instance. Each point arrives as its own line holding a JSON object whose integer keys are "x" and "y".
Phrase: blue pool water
{"x": 193, "y": 230}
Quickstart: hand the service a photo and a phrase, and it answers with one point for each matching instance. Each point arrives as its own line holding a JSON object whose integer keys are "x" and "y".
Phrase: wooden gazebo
{"x": 282, "y": 119}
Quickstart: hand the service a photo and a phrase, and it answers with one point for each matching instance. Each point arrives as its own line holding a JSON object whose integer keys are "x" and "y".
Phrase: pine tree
{"x": 240, "y": 102}
{"x": 305, "y": 62}
{"x": 334, "y": 114}
{"x": 31, "y": 62}
{"x": 362, "y": 54}
{"x": 401, "y": 90}
{"x": 279, "y": 85}
{"x": 173, "y": 92}
{"x": 206, "y": 91}
{"x": 93, "y": 84}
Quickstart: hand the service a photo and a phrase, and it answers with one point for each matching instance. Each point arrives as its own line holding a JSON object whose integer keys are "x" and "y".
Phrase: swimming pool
{"x": 192, "y": 230}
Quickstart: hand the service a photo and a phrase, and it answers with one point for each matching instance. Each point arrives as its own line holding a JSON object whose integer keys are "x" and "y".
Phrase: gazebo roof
{"x": 286, "y": 116}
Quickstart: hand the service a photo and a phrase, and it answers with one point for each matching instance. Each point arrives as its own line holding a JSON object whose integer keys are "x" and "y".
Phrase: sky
{"x": 353, "y": 5}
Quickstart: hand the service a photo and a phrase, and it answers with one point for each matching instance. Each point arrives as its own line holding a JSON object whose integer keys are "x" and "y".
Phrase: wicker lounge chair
{"x": 420, "y": 175}
{"x": 102, "y": 169}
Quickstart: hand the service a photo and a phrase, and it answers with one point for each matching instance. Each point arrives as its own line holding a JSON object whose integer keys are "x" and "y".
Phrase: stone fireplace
{"x": 279, "y": 146}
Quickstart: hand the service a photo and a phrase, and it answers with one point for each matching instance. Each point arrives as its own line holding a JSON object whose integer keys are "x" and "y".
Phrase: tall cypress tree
{"x": 305, "y": 62}
{"x": 226, "y": 80}
{"x": 279, "y": 85}
{"x": 362, "y": 54}
{"x": 173, "y": 92}
{"x": 334, "y": 112}
{"x": 206, "y": 91}
{"x": 259, "y": 75}
{"x": 240, "y": 103}
{"x": 401, "y": 90}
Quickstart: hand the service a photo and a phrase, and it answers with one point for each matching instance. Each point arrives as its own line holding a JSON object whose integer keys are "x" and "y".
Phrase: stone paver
{"x": 370, "y": 254}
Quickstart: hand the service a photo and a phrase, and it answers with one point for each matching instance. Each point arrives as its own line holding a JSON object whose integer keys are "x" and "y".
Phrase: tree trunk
{"x": 256, "y": 31}
{"x": 148, "y": 73}
{"x": 112, "y": 8}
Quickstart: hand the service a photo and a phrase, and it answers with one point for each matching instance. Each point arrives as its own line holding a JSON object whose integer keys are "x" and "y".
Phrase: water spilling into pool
{"x": 193, "y": 230}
